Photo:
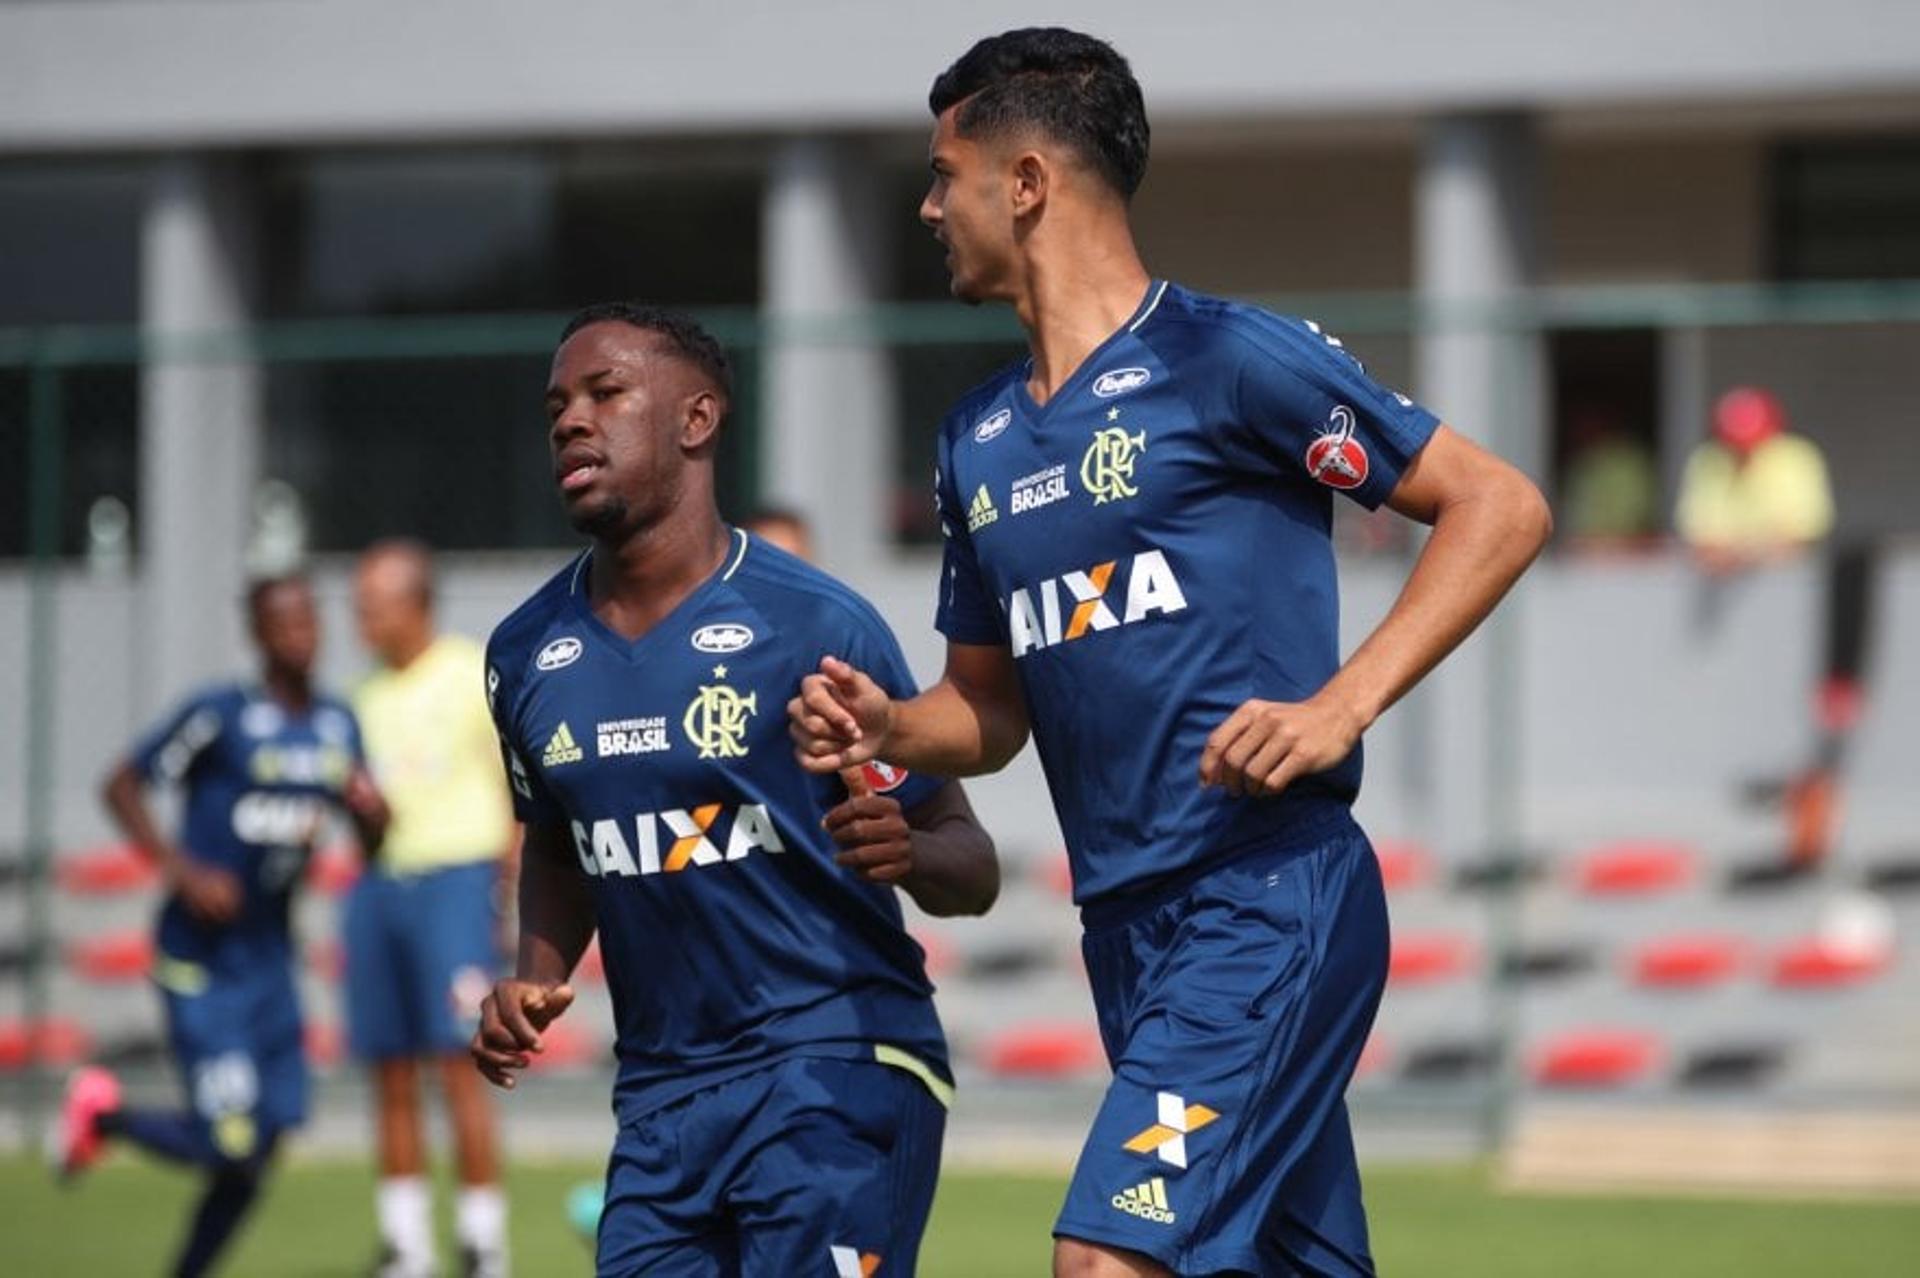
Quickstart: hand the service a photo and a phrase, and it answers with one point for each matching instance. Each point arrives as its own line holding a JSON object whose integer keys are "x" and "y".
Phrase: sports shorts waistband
{"x": 1307, "y": 826}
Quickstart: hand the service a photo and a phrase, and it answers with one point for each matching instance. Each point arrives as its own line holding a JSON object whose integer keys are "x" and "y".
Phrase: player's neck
{"x": 291, "y": 688}
{"x": 634, "y": 583}
{"x": 1072, "y": 301}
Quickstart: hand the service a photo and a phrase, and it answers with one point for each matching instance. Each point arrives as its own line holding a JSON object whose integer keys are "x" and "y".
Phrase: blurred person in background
{"x": 422, "y": 931}
{"x": 1752, "y": 493}
{"x": 787, "y": 529}
{"x": 1610, "y": 496}
{"x": 1756, "y": 494}
{"x": 1138, "y": 570}
{"x": 262, "y": 762}
{"x": 782, "y": 1080}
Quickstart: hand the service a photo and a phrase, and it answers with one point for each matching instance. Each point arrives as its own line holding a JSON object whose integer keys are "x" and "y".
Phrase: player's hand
{"x": 841, "y": 718}
{"x": 210, "y": 893}
{"x": 511, "y": 1020}
{"x": 1265, "y": 745}
{"x": 872, "y": 830}
{"x": 363, "y": 798}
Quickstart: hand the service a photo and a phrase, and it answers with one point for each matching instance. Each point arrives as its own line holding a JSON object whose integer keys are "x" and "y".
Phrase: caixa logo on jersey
{"x": 1075, "y": 604}
{"x": 1118, "y": 381}
{"x": 671, "y": 840}
{"x": 724, "y": 636}
{"x": 563, "y": 651}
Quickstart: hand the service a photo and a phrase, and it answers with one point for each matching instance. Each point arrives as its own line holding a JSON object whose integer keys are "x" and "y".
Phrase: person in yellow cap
{"x": 422, "y": 935}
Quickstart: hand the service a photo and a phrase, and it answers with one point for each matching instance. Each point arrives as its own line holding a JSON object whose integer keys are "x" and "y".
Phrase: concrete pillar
{"x": 200, "y": 440}
{"x": 1476, "y": 251}
{"x": 827, "y": 439}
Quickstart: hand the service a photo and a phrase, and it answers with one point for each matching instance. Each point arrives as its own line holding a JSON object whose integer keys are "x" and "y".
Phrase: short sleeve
{"x": 966, "y": 612}
{"x": 874, "y": 649}
{"x": 168, "y": 751}
{"x": 1301, "y": 404}
{"x": 533, "y": 803}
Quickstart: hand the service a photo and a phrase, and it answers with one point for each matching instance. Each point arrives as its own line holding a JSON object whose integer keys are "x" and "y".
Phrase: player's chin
{"x": 596, "y": 516}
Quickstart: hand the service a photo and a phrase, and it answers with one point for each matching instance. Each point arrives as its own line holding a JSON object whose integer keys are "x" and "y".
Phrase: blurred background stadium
{"x": 277, "y": 279}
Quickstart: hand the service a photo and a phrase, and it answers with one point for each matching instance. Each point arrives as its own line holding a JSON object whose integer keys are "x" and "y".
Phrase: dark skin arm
{"x": 556, "y": 923}
{"x": 937, "y": 853}
{"x": 208, "y": 892}
{"x": 368, "y": 809}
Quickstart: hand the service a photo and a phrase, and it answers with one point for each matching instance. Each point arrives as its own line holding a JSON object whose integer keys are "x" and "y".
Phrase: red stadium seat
{"x": 590, "y": 970}
{"x": 1424, "y": 958}
{"x": 1822, "y": 964}
{"x": 1055, "y": 874}
{"x": 1403, "y": 863}
{"x": 113, "y": 958}
{"x": 1635, "y": 866}
{"x": 333, "y": 870}
{"x": 1374, "y": 1057}
{"x": 565, "y": 1045}
{"x": 1044, "y": 1050}
{"x": 1687, "y": 961}
{"x": 940, "y": 953}
{"x": 105, "y": 871}
{"x": 54, "y": 1042}
{"x": 1595, "y": 1058}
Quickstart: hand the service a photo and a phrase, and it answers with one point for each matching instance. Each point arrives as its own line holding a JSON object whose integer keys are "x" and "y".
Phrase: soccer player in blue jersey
{"x": 782, "y": 1077}
{"x": 261, "y": 764}
{"x": 1138, "y": 572}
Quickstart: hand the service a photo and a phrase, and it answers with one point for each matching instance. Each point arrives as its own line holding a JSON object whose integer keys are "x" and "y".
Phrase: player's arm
{"x": 556, "y": 922}
{"x": 1489, "y": 521}
{"x": 936, "y": 852}
{"x": 367, "y": 809}
{"x": 207, "y": 891}
{"x": 973, "y": 721}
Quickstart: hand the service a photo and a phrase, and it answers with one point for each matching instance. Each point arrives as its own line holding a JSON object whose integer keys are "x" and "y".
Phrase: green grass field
{"x": 1428, "y": 1222}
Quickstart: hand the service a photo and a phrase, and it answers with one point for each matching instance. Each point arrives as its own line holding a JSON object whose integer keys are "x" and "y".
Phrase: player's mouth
{"x": 576, "y": 469}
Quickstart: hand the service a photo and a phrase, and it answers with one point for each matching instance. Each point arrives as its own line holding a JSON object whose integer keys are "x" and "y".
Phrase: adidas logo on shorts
{"x": 1147, "y": 1200}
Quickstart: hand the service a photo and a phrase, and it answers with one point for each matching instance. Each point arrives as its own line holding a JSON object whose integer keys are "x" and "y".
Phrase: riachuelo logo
{"x": 1336, "y": 458}
{"x": 668, "y": 841}
{"x": 1035, "y": 616}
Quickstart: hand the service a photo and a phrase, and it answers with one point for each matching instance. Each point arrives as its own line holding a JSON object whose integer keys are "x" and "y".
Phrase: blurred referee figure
{"x": 422, "y": 936}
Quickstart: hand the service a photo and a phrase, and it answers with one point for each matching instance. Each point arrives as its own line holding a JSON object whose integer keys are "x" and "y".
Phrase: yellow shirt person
{"x": 1753, "y": 490}
{"x": 434, "y": 753}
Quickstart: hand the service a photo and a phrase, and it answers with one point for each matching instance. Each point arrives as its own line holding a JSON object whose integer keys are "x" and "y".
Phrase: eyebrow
{"x": 557, "y": 392}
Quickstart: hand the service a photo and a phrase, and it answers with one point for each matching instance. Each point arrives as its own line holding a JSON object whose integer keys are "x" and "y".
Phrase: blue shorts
{"x": 810, "y": 1166}
{"x": 1233, "y": 1009}
{"x": 237, "y": 1042}
{"x": 422, "y": 953}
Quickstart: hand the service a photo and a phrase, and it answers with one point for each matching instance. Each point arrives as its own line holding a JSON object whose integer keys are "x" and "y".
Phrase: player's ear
{"x": 701, "y": 424}
{"x": 1031, "y": 177}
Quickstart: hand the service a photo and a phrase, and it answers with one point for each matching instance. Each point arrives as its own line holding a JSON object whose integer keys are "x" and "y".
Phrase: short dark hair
{"x": 1074, "y": 88}
{"x": 258, "y": 588}
{"x": 691, "y": 342}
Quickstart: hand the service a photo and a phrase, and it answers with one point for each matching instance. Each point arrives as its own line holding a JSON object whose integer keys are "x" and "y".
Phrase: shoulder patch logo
{"x": 723, "y": 636}
{"x": 1336, "y": 458}
{"x": 992, "y": 426}
{"x": 882, "y": 777}
{"x": 1118, "y": 381}
{"x": 563, "y": 651}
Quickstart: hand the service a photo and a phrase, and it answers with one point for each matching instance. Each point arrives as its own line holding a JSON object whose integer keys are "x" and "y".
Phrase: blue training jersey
{"x": 1153, "y": 546}
{"x": 729, "y": 936}
{"x": 260, "y": 780}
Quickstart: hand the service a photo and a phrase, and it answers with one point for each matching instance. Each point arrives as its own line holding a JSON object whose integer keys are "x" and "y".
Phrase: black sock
{"x": 230, "y": 1192}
